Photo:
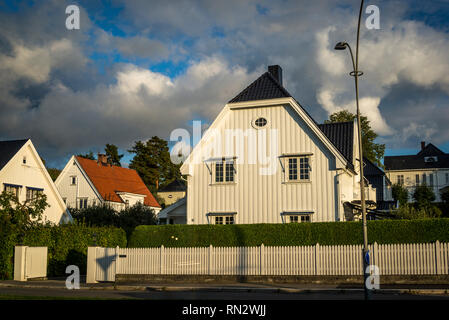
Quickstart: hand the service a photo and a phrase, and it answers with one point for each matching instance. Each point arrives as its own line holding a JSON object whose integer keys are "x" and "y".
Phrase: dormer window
{"x": 430, "y": 159}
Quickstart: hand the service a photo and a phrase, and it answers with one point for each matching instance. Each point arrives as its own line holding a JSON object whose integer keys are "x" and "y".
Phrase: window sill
{"x": 223, "y": 183}
{"x": 295, "y": 182}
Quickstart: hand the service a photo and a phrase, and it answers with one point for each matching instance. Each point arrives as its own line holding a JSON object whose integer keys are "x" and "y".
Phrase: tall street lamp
{"x": 356, "y": 73}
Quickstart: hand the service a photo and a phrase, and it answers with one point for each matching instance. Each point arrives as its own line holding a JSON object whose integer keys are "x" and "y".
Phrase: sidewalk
{"x": 434, "y": 289}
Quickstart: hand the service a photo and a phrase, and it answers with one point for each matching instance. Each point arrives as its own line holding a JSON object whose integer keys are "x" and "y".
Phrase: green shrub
{"x": 126, "y": 219}
{"x": 325, "y": 233}
{"x": 67, "y": 244}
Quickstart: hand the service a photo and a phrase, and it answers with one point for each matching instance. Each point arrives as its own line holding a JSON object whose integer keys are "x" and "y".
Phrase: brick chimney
{"x": 276, "y": 72}
{"x": 102, "y": 159}
{"x": 423, "y": 145}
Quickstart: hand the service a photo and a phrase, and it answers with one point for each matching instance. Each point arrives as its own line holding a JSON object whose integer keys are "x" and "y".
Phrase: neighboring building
{"x": 174, "y": 214}
{"x": 23, "y": 173}
{"x": 429, "y": 166}
{"x": 265, "y": 160}
{"x": 173, "y": 192}
{"x": 84, "y": 182}
{"x": 379, "y": 180}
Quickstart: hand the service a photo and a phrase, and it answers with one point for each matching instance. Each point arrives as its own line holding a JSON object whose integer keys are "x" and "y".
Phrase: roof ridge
{"x": 254, "y": 91}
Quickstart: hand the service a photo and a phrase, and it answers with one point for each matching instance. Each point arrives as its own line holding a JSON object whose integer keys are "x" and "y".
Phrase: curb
{"x": 236, "y": 289}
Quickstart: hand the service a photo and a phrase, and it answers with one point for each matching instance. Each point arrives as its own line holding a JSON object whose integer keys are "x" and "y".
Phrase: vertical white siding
{"x": 261, "y": 198}
{"x": 33, "y": 174}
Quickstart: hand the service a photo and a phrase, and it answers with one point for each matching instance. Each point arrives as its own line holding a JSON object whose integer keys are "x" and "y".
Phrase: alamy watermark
{"x": 73, "y": 280}
{"x": 246, "y": 146}
{"x": 72, "y": 22}
{"x": 373, "y": 21}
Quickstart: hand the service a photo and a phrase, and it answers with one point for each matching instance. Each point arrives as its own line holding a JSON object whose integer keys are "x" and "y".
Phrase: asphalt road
{"x": 33, "y": 293}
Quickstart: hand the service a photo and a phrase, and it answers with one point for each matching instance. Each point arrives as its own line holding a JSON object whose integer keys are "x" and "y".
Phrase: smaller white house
{"x": 23, "y": 173}
{"x": 84, "y": 182}
{"x": 430, "y": 166}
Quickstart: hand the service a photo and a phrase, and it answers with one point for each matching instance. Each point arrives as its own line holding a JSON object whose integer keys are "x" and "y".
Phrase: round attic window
{"x": 260, "y": 122}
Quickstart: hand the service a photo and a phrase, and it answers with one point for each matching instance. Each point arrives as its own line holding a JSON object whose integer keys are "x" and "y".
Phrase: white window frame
{"x": 297, "y": 216}
{"x": 224, "y": 217}
{"x": 299, "y": 174}
{"x": 85, "y": 202}
{"x": 16, "y": 189}
{"x": 31, "y": 193}
{"x": 226, "y": 173}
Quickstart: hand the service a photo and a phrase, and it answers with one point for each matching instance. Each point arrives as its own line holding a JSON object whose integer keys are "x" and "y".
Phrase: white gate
{"x": 101, "y": 264}
{"x": 30, "y": 262}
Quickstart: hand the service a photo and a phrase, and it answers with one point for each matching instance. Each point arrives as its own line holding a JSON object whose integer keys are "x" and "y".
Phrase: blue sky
{"x": 139, "y": 68}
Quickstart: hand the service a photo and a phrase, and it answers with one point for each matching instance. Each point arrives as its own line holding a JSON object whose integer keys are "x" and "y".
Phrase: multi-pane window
{"x": 431, "y": 179}
{"x": 299, "y": 218}
{"x": 298, "y": 169}
{"x": 293, "y": 169}
{"x": 229, "y": 172}
{"x": 424, "y": 178}
{"x": 12, "y": 189}
{"x": 224, "y": 220}
{"x": 82, "y": 203}
{"x": 417, "y": 179}
{"x": 400, "y": 179}
{"x": 224, "y": 171}
{"x": 447, "y": 178}
{"x": 33, "y": 193}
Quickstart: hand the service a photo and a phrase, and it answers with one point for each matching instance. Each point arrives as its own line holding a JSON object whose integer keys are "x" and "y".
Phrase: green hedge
{"x": 67, "y": 244}
{"x": 325, "y": 233}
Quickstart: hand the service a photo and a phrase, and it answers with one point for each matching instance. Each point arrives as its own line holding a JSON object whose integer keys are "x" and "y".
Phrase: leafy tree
{"x": 423, "y": 196}
{"x": 444, "y": 194}
{"x": 22, "y": 216}
{"x": 400, "y": 194}
{"x": 371, "y": 150}
{"x": 89, "y": 155}
{"x": 54, "y": 173}
{"x": 152, "y": 162}
{"x": 112, "y": 154}
{"x": 104, "y": 215}
{"x": 411, "y": 211}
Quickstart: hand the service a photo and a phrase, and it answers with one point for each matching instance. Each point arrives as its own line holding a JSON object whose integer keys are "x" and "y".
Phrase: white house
{"x": 265, "y": 160}
{"x": 23, "y": 173}
{"x": 429, "y": 166}
{"x": 84, "y": 182}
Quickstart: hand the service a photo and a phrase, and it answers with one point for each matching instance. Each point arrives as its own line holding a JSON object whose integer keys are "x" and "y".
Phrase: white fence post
{"x": 161, "y": 256}
{"x": 91, "y": 265}
{"x": 376, "y": 254}
{"x": 117, "y": 258}
{"x": 210, "y": 259}
{"x": 438, "y": 257}
{"x": 19, "y": 263}
{"x": 262, "y": 257}
{"x": 317, "y": 260}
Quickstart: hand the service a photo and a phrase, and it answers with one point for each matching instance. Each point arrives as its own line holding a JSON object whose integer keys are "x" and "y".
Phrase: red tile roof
{"x": 109, "y": 179}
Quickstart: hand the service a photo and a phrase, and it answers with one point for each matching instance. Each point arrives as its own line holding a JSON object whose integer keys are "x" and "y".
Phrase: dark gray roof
{"x": 417, "y": 161}
{"x": 175, "y": 185}
{"x": 265, "y": 87}
{"x": 370, "y": 169}
{"x": 8, "y": 149}
{"x": 341, "y": 134}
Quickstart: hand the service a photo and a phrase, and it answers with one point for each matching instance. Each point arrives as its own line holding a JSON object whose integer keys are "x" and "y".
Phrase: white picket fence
{"x": 391, "y": 259}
